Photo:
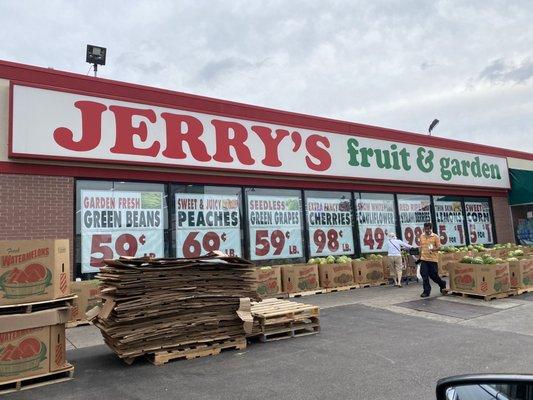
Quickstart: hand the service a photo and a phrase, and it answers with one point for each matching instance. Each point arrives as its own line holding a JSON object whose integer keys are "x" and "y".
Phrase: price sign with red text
{"x": 115, "y": 224}
{"x": 330, "y": 226}
{"x": 413, "y": 215}
{"x": 479, "y": 222}
{"x": 207, "y": 222}
{"x": 275, "y": 227}
{"x": 450, "y": 228}
{"x": 376, "y": 219}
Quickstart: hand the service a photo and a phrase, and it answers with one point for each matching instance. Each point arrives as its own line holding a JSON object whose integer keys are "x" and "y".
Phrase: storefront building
{"x": 123, "y": 169}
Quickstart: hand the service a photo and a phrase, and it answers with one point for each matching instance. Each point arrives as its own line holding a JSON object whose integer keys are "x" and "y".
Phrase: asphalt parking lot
{"x": 371, "y": 347}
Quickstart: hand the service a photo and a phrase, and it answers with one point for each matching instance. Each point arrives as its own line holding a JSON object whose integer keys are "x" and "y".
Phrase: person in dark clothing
{"x": 429, "y": 246}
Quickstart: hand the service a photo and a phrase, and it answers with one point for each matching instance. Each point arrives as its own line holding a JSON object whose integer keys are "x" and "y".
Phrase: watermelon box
{"x": 479, "y": 279}
{"x": 88, "y": 293}
{"x": 34, "y": 344}
{"x": 335, "y": 275}
{"x": 368, "y": 271}
{"x": 268, "y": 280}
{"x": 33, "y": 270}
{"x": 299, "y": 277}
{"x": 521, "y": 273}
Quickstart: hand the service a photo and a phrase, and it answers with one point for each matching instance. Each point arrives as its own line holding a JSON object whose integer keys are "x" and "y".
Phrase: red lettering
{"x": 320, "y": 153}
{"x": 126, "y": 131}
{"x": 91, "y": 128}
{"x": 224, "y": 142}
{"x": 176, "y": 136}
{"x": 271, "y": 144}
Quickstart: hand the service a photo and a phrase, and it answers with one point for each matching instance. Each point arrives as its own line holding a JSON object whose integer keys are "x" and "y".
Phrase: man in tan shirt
{"x": 429, "y": 246}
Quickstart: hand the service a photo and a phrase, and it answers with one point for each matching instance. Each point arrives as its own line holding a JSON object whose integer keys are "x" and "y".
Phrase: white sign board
{"x": 67, "y": 126}
{"x": 479, "y": 222}
{"x": 275, "y": 227}
{"x": 115, "y": 224}
{"x": 330, "y": 226}
{"x": 207, "y": 222}
{"x": 376, "y": 219}
{"x": 413, "y": 215}
{"x": 450, "y": 227}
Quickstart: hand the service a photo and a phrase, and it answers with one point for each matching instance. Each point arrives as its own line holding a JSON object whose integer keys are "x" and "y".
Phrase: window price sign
{"x": 376, "y": 219}
{"x": 115, "y": 224}
{"x": 275, "y": 227}
{"x": 206, "y": 222}
{"x": 413, "y": 215}
{"x": 449, "y": 215}
{"x": 479, "y": 222}
{"x": 330, "y": 226}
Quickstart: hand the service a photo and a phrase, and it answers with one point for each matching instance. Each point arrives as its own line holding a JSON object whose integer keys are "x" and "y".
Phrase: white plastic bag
{"x": 418, "y": 276}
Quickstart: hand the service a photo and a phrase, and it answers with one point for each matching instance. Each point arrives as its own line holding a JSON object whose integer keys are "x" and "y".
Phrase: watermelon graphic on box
{"x": 29, "y": 281}
{"x": 27, "y": 356}
{"x": 34, "y": 270}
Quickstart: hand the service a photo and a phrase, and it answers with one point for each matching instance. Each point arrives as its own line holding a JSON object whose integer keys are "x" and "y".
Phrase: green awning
{"x": 521, "y": 187}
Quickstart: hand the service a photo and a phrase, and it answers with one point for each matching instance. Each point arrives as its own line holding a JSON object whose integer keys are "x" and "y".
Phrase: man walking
{"x": 429, "y": 246}
{"x": 395, "y": 258}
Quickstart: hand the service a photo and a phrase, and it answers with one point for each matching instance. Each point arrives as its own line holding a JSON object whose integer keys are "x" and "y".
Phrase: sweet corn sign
{"x": 69, "y": 126}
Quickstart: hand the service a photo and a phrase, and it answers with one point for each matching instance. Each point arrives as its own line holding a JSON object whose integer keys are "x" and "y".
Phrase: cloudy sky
{"x": 396, "y": 64}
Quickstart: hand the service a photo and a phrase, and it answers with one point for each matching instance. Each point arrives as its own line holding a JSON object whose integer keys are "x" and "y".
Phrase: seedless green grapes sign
{"x": 330, "y": 226}
{"x": 275, "y": 227}
{"x": 115, "y": 224}
{"x": 207, "y": 222}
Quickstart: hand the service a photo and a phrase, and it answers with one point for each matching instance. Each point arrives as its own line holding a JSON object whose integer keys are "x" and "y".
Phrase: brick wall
{"x": 502, "y": 220}
{"x": 37, "y": 207}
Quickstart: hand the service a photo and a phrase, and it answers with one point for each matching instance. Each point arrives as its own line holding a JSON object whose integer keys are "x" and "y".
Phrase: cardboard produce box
{"x": 34, "y": 270}
{"x": 482, "y": 279}
{"x": 33, "y": 345}
{"x": 443, "y": 260}
{"x": 268, "y": 280}
{"x": 368, "y": 271}
{"x": 521, "y": 273}
{"x": 88, "y": 293}
{"x": 386, "y": 268}
{"x": 335, "y": 275}
{"x": 299, "y": 277}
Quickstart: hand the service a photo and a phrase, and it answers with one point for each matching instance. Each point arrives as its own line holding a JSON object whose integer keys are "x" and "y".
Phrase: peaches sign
{"x": 68, "y": 126}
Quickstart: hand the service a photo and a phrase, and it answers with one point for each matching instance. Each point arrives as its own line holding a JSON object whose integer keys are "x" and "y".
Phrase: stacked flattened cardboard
{"x": 157, "y": 306}
{"x": 34, "y": 306}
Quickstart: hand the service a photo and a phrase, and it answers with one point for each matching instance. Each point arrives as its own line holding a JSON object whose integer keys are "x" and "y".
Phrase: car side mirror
{"x": 486, "y": 387}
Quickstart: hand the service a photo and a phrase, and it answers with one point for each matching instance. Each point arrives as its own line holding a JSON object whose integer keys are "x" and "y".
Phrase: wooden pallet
{"x": 276, "y": 296}
{"x": 196, "y": 351}
{"x": 74, "y": 324}
{"x": 26, "y": 308}
{"x": 520, "y": 291}
{"x": 342, "y": 288}
{"x": 274, "y": 311}
{"x": 31, "y": 382}
{"x": 487, "y": 297}
{"x": 309, "y": 293}
{"x": 311, "y": 326}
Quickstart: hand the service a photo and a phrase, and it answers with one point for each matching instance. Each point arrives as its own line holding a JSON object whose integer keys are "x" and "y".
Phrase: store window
{"x": 413, "y": 211}
{"x": 275, "y": 224}
{"x": 330, "y": 223}
{"x": 116, "y": 219}
{"x": 205, "y": 219}
{"x": 450, "y": 220}
{"x": 376, "y": 217}
{"x": 479, "y": 221}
